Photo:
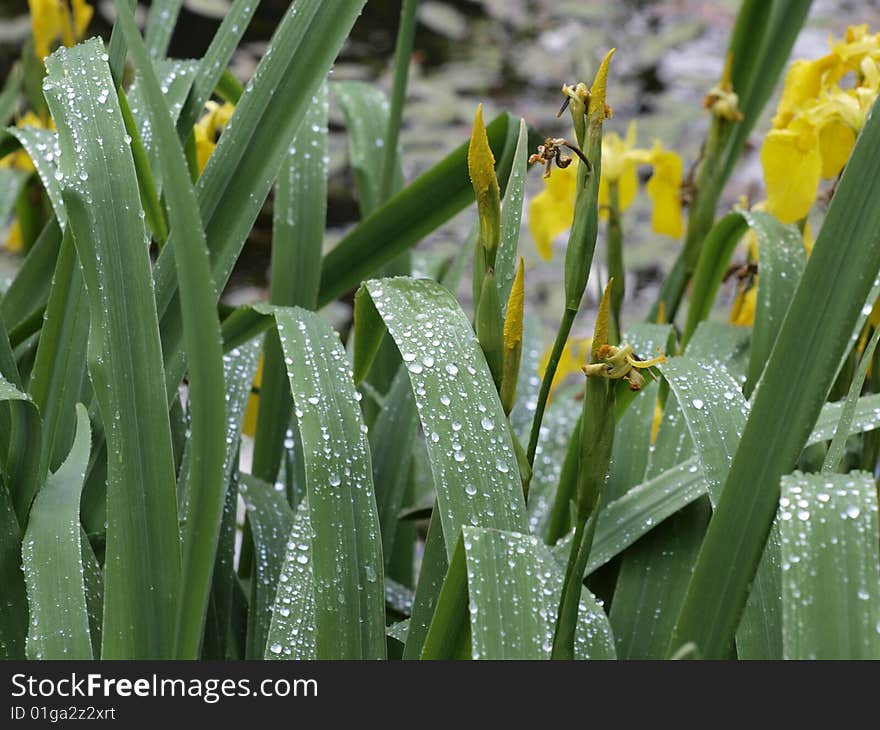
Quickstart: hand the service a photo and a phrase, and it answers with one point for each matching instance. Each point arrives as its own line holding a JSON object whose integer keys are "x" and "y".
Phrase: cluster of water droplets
{"x": 292, "y": 631}
{"x": 514, "y": 589}
{"x": 347, "y": 571}
{"x": 829, "y": 559}
{"x": 470, "y": 448}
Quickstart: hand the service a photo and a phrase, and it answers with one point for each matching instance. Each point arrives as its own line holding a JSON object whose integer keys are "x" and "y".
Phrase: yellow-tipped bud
{"x": 481, "y": 167}
{"x": 599, "y": 111}
{"x": 600, "y": 333}
{"x": 513, "y": 337}
{"x": 513, "y": 321}
{"x": 481, "y": 161}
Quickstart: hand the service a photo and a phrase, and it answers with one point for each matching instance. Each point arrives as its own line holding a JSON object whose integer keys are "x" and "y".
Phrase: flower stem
{"x": 558, "y": 346}
{"x": 614, "y": 236}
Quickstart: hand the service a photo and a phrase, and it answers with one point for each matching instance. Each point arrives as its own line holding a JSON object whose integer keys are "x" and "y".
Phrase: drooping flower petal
{"x": 836, "y": 141}
{"x": 552, "y": 210}
{"x": 792, "y": 168}
{"x": 664, "y": 190}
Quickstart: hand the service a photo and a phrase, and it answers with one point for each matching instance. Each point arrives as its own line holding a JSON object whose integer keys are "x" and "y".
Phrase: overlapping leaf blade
{"x": 51, "y": 557}
{"x": 814, "y": 335}
{"x": 469, "y": 443}
{"x": 830, "y": 566}
{"x": 125, "y": 356}
{"x": 346, "y": 549}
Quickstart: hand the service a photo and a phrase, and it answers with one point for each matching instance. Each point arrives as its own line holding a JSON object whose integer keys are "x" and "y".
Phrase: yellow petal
{"x": 792, "y": 168}
{"x": 658, "y": 419}
{"x": 809, "y": 238}
{"x": 664, "y": 190}
{"x": 836, "y": 141}
{"x": 742, "y": 313}
{"x": 82, "y": 16}
{"x": 802, "y": 82}
{"x": 513, "y": 321}
{"x": 46, "y": 24}
{"x": 628, "y": 185}
{"x": 249, "y": 422}
{"x": 481, "y": 166}
{"x": 13, "y": 238}
{"x": 552, "y": 210}
{"x": 204, "y": 148}
{"x": 481, "y": 161}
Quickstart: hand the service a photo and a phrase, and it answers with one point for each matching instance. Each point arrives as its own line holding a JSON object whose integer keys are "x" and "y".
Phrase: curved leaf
{"x": 346, "y": 548}
{"x": 125, "y": 355}
{"x": 51, "y": 556}
{"x": 473, "y": 462}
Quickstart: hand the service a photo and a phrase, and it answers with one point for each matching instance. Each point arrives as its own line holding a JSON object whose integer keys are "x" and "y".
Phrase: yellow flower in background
{"x": 58, "y": 20}
{"x": 663, "y": 190}
{"x": 551, "y": 211}
{"x": 574, "y": 355}
{"x": 20, "y": 160}
{"x": 14, "y": 243}
{"x": 620, "y": 164}
{"x": 823, "y": 107}
{"x": 742, "y": 313}
{"x": 208, "y": 129}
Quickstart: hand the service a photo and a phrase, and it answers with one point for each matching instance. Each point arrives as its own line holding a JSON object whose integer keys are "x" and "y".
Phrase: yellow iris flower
{"x": 817, "y": 120}
{"x": 552, "y": 210}
{"x": 208, "y": 129}
{"x": 58, "y": 20}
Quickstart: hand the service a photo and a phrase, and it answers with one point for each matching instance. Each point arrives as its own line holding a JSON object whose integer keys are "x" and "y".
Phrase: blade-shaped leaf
{"x": 59, "y": 368}
{"x": 781, "y": 260}
{"x": 511, "y": 217}
{"x": 366, "y": 119}
{"x": 796, "y": 381}
{"x": 43, "y": 149}
{"x": 715, "y": 412}
{"x": 201, "y": 332}
{"x": 125, "y": 356}
{"x": 346, "y": 548}
{"x": 514, "y": 585}
{"x": 240, "y": 171}
{"x": 298, "y": 219}
{"x": 271, "y": 519}
{"x": 830, "y": 574}
{"x": 473, "y": 462}
{"x": 214, "y": 62}
{"x": 14, "y": 617}
{"x": 292, "y": 631}
{"x": 53, "y": 569}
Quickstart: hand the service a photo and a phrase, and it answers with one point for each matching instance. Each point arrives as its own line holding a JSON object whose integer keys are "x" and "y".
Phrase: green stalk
{"x": 566, "y": 621}
{"x": 596, "y": 441}
{"x": 614, "y": 236}
{"x": 584, "y": 229}
{"x": 552, "y": 364}
{"x": 402, "y": 53}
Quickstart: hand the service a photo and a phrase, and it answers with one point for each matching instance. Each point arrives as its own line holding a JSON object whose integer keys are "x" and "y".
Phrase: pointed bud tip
{"x": 597, "y": 90}
{"x": 481, "y": 161}
{"x": 600, "y": 333}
